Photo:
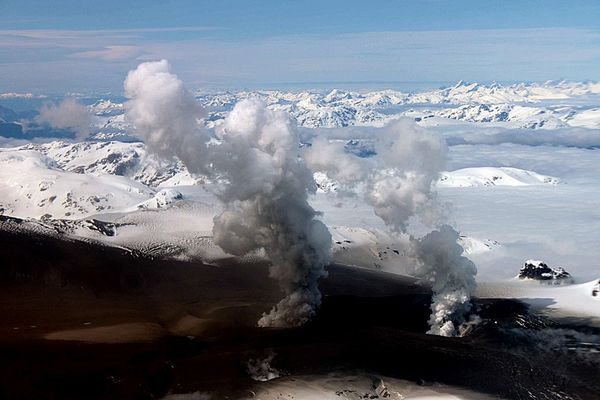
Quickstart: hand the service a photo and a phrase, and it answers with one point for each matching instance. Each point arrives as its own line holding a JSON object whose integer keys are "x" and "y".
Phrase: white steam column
{"x": 266, "y": 195}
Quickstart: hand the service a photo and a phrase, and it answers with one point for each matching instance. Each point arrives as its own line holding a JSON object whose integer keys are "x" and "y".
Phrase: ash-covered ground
{"x": 83, "y": 320}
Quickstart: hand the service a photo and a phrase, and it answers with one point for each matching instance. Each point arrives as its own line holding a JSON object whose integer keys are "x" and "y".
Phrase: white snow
{"x": 473, "y": 245}
{"x": 518, "y": 106}
{"x": 494, "y": 176}
{"x": 114, "y": 158}
{"x": 587, "y": 118}
{"x": 32, "y": 185}
{"x": 575, "y": 300}
{"x": 324, "y": 183}
{"x": 161, "y": 199}
{"x": 338, "y": 386}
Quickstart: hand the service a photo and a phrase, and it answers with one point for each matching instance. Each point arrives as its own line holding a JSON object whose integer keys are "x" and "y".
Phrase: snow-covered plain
{"x": 522, "y": 179}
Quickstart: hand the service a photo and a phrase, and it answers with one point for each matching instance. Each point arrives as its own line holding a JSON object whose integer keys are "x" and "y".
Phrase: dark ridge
{"x": 369, "y": 321}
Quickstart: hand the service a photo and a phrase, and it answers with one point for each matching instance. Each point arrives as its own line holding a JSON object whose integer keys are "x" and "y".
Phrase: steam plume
{"x": 267, "y": 207}
{"x": 332, "y": 159}
{"x": 166, "y": 115}
{"x": 266, "y": 195}
{"x": 399, "y": 186}
{"x": 453, "y": 276}
{"x": 409, "y": 160}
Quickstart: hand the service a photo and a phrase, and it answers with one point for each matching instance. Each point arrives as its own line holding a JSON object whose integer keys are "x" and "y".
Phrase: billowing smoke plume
{"x": 166, "y": 115}
{"x": 399, "y": 180}
{"x": 453, "y": 276}
{"x": 267, "y": 207}
{"x": 68, "y": 114}
{"x": 266, "y": 197}
{"x": 332, "y": 159}
{"x": 400, "y": 186}
{"x": 408, "y": 163}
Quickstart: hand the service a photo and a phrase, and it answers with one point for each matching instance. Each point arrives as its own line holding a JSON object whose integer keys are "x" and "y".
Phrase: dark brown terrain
{"x": 82, "y": 320}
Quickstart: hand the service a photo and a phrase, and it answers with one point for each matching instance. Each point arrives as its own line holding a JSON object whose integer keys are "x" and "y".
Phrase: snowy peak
{"x": 113, "y": 158}
{"x": 473, "y": 245}
{"x": 77, "y": 180}
{"x": 106, "y": 108}
{"x": 493, "y": 176}
{"x": 515, "y": 115}
{"x": 162, "y": 199}
{"x": 517, "y": 106}
{"x": 33, "y": 185}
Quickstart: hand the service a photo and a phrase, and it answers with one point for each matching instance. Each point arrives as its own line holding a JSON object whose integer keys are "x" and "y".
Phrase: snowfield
{"x": 352, "y": 387}
{"x": 32, "y": 185}
{"x": 576, "y": 300}
{"x": 489, "y": 176}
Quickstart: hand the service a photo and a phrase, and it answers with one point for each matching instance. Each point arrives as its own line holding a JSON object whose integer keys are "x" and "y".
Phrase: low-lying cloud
{"x": 68, "y": 114}
{"x": 568, "y": 137}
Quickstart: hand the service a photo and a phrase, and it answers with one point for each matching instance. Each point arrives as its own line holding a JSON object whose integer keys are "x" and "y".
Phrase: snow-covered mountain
{"x": 550, "y": 105}
{"x": 516, "y": 115}
{"x": 470, "y": 102}
{"x": 465, "y": 178}
{"x": 114, "y": 158}
{"x": 75, "y": 180}
{"x": 33, "y": 185}
{"x": 494, "y": 176}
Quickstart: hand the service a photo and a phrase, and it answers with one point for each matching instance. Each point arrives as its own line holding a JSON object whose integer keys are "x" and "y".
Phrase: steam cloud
{"x": 267, "y": 207}
{"x": 256, "y": 151}
{"x": 166, "y": 115}
{"x": 399, "y": 186}
{"x": 260, "y": 369}
{"x": 408, "y": 164}
{"x": 266, "y": 197}
{"x": 453, "y": 276}
{"x": 68, "y": 114}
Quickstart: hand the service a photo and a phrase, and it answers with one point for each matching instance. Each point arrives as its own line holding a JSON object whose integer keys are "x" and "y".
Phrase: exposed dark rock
{"x": 540, "y": 271}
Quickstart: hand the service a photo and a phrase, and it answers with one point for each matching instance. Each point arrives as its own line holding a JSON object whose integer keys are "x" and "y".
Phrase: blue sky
{"x": 59, "y": 46}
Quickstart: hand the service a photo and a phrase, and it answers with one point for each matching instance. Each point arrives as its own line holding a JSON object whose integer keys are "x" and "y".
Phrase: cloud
{"x": 68, "y": 114}
{"x": 111, "y": 53}
{"x": 391, "y": 56}
{"x": 440, "y": 56}
{"x": 568, "y": 137}
{"x": 14, "y": 95}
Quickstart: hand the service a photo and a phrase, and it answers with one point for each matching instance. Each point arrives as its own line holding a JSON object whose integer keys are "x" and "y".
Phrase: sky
{"x": 88, "y": 46}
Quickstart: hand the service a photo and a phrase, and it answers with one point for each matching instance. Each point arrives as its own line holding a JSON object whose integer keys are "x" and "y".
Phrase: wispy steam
{"x": 409, "y": 160}
{"x": 260, "y": 369}
{"x": 68, "y": 114}
{"x": 332, "y": 159}
{"x": 266, "y": 195}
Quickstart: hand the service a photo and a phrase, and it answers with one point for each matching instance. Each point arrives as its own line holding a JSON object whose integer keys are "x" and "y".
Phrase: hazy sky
{"x": 58, "y": 46}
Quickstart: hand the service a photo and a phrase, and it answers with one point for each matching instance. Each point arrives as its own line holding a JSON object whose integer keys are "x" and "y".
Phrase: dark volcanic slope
{"x": 79, "y": 320}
